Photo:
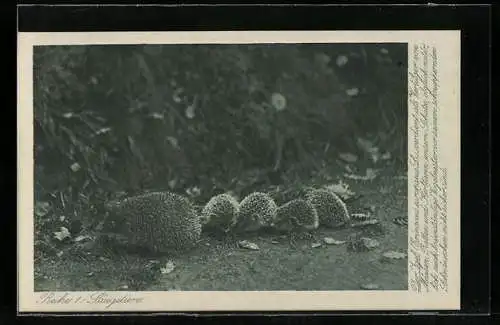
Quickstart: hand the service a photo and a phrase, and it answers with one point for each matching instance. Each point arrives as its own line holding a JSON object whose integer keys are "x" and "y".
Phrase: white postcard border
{"x": 447, "y": 44}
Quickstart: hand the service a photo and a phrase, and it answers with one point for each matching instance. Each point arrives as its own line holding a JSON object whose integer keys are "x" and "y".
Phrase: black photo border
{"x": 474, "y": 22}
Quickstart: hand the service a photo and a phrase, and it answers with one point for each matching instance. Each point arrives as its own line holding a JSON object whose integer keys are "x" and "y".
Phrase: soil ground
{"x": 277, "y": 265}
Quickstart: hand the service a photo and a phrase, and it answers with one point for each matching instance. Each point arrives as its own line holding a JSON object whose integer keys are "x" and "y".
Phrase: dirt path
{"x": 275, "y": 266}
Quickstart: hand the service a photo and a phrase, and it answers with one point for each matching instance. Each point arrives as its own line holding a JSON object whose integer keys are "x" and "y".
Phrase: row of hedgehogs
{"x": 168, "y": 222}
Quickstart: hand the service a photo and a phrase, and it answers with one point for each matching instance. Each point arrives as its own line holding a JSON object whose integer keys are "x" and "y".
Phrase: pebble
{"x": 332, "y": 241}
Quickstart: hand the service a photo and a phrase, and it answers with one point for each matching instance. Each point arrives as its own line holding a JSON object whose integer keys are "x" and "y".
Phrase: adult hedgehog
{"x": 162, "y": 222}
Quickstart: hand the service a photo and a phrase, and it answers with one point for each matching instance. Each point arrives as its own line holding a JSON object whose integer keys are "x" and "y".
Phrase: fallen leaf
{"x": 370, "y": 175}
{"x": 370, "y": 286}
{"x": 348, "y": 169}
{"x": 369, "y": 243}
{"x": 348, "y": 157}
{"x": 63, "y": 234}
{"x": 393, "y": 255}
{"x": 190, "y": 111}
{"x": 193, "y": 191}
{"x": 368, "y": 222}
{"x": 42, "y": 208}
{"x": 342, "y": 190}
{"x": 332, "y": 241}
{"x": 169, "y": 267}
{"x": 157, "y": 116}
{"x": 82, "y": 237}
{"x": 248, "y": 245}
{"x": 173, "y": 142}
{"x": 341, "y": 60}
{"x": 315, "y": 245}
{"x": 152, "y": 263}
{"x": 386, "y": 156}
{"x": 103, "y": 130}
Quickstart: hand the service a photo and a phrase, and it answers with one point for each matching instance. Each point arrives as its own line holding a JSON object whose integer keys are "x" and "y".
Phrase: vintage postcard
{"x": 239, "y": 171}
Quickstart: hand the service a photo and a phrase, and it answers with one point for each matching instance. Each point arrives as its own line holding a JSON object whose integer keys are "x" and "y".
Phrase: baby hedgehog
{"x": 332, "y": 211}
{"x": 296, "y": 215}
{"x": 162, "y": 222}
{"x": 257, "y": 210}
{"x": 220, "y": 213}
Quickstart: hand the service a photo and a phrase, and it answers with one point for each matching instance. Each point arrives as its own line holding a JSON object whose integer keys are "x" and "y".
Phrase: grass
{"x": 277, "y": 265}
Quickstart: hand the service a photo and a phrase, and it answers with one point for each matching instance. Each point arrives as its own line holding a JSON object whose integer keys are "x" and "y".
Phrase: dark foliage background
{"x": 178, "y": 117}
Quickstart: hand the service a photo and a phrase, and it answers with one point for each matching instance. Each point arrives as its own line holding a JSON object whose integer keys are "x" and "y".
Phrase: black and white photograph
{"x": 220, "y": 167}
{"x": 207, "y": 167}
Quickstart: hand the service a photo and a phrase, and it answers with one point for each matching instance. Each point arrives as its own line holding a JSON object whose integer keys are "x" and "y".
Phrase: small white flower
{"x": 75, "y": 167}
{"x": 342, "y": 60}
{"x": 278, "y": 101}
{"x": 63, "y": 234}
{"x": 173, "y": 141}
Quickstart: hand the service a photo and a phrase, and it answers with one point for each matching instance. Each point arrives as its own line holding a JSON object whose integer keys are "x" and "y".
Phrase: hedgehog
{"x": 297, "y": 215}
{"x": 257, "y": 210}
{"x": 332, "y": 211}
{"x": 220, "y": 214}
{"x": 161, "y": 222}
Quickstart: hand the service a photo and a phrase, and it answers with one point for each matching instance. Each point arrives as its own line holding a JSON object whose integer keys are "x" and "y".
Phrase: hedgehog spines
{"x": 297, "y": 215}
{"x": 220, "y": 213}
{"x": 159, "y": 221}
{"x": 332, "y": 211}
{"x": 257, "y": 210}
